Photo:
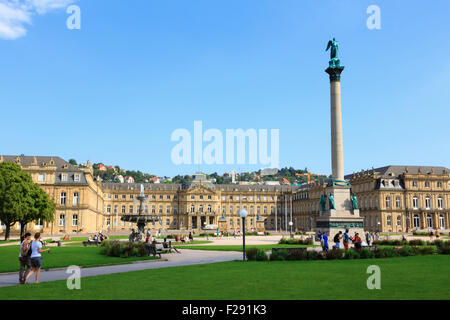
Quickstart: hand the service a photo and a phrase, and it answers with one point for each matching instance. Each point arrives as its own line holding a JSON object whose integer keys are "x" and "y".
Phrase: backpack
{"x": 26, "y": 249}
{"x": 336, "y": 237}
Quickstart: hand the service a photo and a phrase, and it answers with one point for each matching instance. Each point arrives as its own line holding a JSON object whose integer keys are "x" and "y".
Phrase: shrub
{"x": 283, "y": 254}
{"x": 124, "y": 249}
{"x": 297, "y": 255}
{"x": 406, "y": 251}
{"x": 334, "y": 254}
{"x": 425, "y": 250}
{"x": 251, "y": 253}
{"x": 366, "y": 254}
{"x": 312, "y": 255}
{"x": 261, "y": 255}
{"x": 444, "y": 247}
{"x": 351, "y": 254}
{"x": 274, "y": 256}
{"x": 416, "y": 242}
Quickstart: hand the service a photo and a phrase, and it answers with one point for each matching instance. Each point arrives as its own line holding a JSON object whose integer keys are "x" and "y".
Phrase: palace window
{"x": 76, "y": 178}
{"x": 160, "y": 209}
{"x": 389, "y": 221}
{"x": 201, "y": 197}
{"x": 63, "y": 198}
{"x": 231, "y": 197}
{"x": 41, "y": 177}
{"x": 209, "y": 208}
{"x": 131, "y": 196}
{"x": 175, "y": 210}
{"x": 153, "y": 197}
{"x": 415, "y": 202}
{"x": 108, "y": 208}
{"x": 231, "y": 209}
{"x": 124, "y": 196}
{"x": 146, "y": 209}
{"x": 75, "y": 220}
{"x": 168, "y": 197}
{"x": 388, "y": 202}
{"x": 116, "y": 196}
{"x": 441, "y": 221}
{"x": 399, "y": 221}
{"x": 209, "y": 197}
{"x": 416, "y": 220}
{"x": 76, "y": 198}
{"x": 429, "y": 221}
{"x": 439, "y": 184}
{"x": 440, "y": 203}
{"x": 237, "y": 198}
{"x": 251, "y": 210}
{"x": 192, "y": 196}
{"x": 223, "y": 198}
{"x": 192, "y": 208}
{"x": 427, "y": 184}
{"x": 265, "y": 210}
{"x": 168, "y": 209}
{"x": 64, "y": 177}
{"x": 175, "y": 222}
{"x": 397, "y": 202}
{"x": 200, "y": 208}
{"x": 251, "y": 198}
{"x": 108, "y": 222}
{"x": 415, "y": 184}
{"x": 160, "y": 197}
{"x": 123, "y": 209}
{"x": 116, "y": 209}
{"x": 265, "y": 198}
{"x": 153, "y": 209}
{"x": 272, "y": 209}
{"x": 62, "y": 220}
{"x": 244, "y": 198}
{"x": 167, "y": 222}
{"x": 131, "y": 209}
{"x": 427, "y": 203}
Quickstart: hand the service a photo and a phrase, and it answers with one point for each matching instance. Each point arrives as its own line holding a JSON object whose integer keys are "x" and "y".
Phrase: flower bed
{"x": 124, "y": 249}
{"x": 296, "y": 241}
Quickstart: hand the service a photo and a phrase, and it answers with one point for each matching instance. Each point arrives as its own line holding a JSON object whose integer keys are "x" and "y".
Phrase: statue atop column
{"x": 333, "y": 46}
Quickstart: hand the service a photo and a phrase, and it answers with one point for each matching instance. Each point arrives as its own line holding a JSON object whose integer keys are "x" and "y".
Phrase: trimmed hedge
{"x": 415, "y": 242}
{"x": 339, "y": 254}
{"x": 124, "y": 249}
{"x": 296, "y": 241}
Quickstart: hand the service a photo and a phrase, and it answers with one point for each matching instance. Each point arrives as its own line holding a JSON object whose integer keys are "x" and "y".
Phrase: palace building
{"x": 390, "y": 199}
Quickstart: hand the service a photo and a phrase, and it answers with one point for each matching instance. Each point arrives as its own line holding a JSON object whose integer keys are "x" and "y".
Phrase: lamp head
{"x": 243, "y": 213}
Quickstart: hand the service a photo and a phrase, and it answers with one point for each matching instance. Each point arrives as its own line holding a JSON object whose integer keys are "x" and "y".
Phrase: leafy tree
{"x": 20, "y": 200}
{"x": 73, "y": 162}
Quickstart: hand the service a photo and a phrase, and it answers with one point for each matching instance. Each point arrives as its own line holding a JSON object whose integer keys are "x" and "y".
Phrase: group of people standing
{"x": 30, "y": 257}
{"x": 346, "y": 238}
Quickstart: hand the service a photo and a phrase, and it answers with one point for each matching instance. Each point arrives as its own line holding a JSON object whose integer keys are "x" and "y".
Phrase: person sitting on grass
{"x": 36, "y": 257}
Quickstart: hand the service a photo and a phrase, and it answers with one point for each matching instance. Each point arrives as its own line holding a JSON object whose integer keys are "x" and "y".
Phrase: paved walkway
{"x": 187, "y": 257}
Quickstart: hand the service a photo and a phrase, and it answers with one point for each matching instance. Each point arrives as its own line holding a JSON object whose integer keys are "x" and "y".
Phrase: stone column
{"x": 337, "y": 152}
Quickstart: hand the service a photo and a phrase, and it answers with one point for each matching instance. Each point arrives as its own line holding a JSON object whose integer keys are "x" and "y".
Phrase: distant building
{"x": 101, "y": 167}
{"x": 129, "y": 179}
{"x": 272, "y": 183}
{"x": 155, "y": 180}
{"x": 119, "y": 178}
{"x": 269, "y": 172}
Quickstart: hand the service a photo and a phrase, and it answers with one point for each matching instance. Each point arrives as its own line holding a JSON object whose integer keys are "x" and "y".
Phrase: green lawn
{"x": 62, "y": 257}
{"x": 418, "y": 277}
{"x": 239, "y": 247}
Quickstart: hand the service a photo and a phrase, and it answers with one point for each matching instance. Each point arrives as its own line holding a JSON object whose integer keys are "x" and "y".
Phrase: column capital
{"x": 335, "y": 73}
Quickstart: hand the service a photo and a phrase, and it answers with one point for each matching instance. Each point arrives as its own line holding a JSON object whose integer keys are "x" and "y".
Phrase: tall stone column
{"x": 337, "y": 149}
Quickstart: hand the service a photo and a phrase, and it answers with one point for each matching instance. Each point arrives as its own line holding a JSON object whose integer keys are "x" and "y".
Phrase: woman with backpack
{"x": 36, "y": 257}
{"x": 24, "y": 257}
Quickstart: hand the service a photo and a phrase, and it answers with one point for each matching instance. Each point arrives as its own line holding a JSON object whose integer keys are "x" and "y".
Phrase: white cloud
{"x": 15, "y": 15}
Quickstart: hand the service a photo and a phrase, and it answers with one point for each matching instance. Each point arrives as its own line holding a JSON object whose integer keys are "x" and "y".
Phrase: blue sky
{"x": 116, "y": 89}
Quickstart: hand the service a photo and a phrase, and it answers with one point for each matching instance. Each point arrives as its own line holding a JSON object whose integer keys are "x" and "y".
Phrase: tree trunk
{"x": 22, "y": 230}
{"x": 7, "y": 230}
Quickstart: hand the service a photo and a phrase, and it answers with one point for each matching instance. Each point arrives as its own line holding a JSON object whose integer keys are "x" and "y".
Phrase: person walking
{"x": 191, "y": 238}
{"x": 368, "y": 238}
{"x": 325, "y": 241}
{"x": 36, "y": 257}
{"x": 346, "y": 239}
{"x": 357, "y": 241}
{"x": 24, "y": 257}
{"x": 337, "y": 240}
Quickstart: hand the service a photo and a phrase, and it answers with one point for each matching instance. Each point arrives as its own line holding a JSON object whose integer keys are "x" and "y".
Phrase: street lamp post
{"x": 290, "y": 232}
{"x": 243, "y": 213}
